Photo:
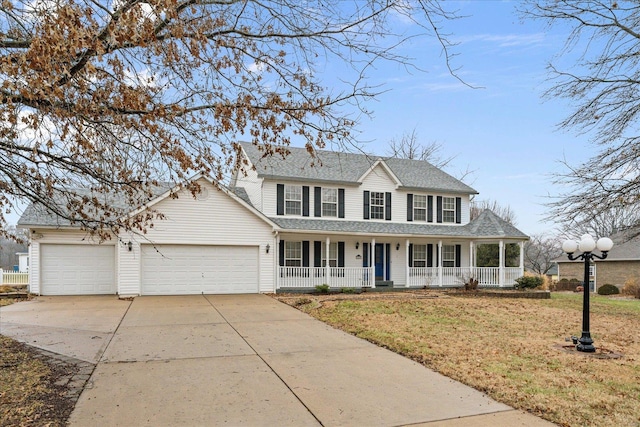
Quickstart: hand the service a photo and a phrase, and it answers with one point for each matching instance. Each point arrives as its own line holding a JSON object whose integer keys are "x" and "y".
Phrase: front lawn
{"x": 509, "y": 348}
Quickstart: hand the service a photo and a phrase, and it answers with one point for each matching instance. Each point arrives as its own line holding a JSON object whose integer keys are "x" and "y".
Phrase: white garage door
{"x": 77, "y": 269}
{"x": 191, "y": 269}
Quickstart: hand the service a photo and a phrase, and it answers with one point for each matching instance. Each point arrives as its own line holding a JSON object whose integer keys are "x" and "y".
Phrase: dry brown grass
{"x": 507, "y": 348}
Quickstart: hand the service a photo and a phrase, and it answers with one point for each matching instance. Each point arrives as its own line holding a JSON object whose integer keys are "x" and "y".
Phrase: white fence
{"x": 335, "y": 277}
{"x": 458, "y": 276}
{"x": 13, "y": 278}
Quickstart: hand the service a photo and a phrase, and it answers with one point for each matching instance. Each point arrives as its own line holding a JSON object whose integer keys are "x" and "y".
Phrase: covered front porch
{"x": 307, "y": 261}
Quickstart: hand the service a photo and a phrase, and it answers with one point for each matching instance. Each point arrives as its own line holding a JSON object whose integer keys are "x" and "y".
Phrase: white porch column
{"x": 406, "y": 263}
{"x": 277, "y": 258}
{"x": 521, "y": 258}
{"x": 501, "y": 263}
{"x": 372, "y": 263}
{"x": 471, "y": 254}
{"x": 327, "y": 267}
{"x": 440, "y": 263}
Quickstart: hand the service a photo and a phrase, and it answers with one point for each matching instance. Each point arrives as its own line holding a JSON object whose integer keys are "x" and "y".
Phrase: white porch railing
{"x": 13, "y": 278}
{"x": 458, "y": 276}
{"x": 339, "y": 277}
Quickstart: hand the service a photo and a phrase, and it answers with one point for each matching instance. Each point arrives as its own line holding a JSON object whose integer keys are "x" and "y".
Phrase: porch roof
{"x": 391, "y": 228}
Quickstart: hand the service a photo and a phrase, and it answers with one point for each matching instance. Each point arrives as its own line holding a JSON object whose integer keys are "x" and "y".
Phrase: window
{"x": 293, "y": 199}
{"x": 449, "y": 256}
{"x": 419, "y": 255}
{"x": 333, "y": 254}
{"x": 448, "y": 209}
{"x": 419, "y": 208}
{"x": 329, "y": 202}
{"x": 592, "y": 271}
{"x": 293, "y": 254}
{"x": 377, "y": 205}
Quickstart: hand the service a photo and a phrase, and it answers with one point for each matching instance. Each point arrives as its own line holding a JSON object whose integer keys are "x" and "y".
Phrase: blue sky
{"x": 504, "y": 131}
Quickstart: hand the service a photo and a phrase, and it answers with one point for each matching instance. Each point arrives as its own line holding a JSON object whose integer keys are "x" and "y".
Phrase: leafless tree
{"x": 540, "y": 252}
{"x": 119, "y": 95}
{"x": 408, "y": 146}
{"x": 504, "y": 212}
{"x": 597, "y": 70}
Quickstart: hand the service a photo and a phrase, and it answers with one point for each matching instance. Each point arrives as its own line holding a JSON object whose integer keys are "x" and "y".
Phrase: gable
{"x": 212, "y": 217}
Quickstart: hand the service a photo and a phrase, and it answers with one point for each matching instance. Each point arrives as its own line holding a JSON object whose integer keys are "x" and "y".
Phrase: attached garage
{"x": 199, "y": 269}
{"x": 77, "y": 269}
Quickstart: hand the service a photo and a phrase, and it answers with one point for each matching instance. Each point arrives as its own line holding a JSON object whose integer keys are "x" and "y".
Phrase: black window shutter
{"x": 317, "y": 201}
{"x": 429, "y": 255}
{"x": 387, "y": 261}
{"x": 280, "y": 199}
{"x": 317, "y": 253}
{"x": 366, "y": 205}
{"x": 365, "y": 255}
{"x": 340, "y": 202}
{"x": 458, "y": 253}
{"x": 410, "y": 254}
{"x": 439, "y": 208}
{"x": 458, "y": 210}
{"x": 409, "y": 207}
{"x": 305, "y": 200}
{"x": 281, "y": 253}
{"x": 305, "y": 253}
{"x": 429, "y": 208}
{"x": 387, "y": 206}
{"x": 340, "y": 254}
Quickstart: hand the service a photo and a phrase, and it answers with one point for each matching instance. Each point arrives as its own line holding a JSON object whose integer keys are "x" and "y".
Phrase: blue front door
{"x": 379, "y": 261}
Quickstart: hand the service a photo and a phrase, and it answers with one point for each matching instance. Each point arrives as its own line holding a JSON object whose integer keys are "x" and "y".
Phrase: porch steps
{"x": 384, "y": 283}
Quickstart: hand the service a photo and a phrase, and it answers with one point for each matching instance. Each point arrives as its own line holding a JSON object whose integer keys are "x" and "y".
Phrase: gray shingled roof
{"x": 39, "y": 215}
{"x": 242, "y": 194}
{"x": 490, "y": 224}
{"x": 347, "y": 168}
{"x": 485, "y": 226}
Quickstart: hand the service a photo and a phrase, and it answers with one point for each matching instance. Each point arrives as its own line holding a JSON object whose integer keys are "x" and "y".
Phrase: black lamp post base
{"x": 585, "y": 344}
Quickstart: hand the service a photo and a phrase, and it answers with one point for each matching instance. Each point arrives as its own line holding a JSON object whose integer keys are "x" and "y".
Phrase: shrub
{"x": 631, "y": 287}
{"x": 526, "y": 282}
{"x": 608, "y": 290}
{"x": 323, "y": 289}
{"x": 348, "y": 291}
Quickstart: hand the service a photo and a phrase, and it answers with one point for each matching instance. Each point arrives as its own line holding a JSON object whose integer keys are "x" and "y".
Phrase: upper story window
{"x": 293, "y": 199}
{"x": 448, "y": 256}
{"x": 329, "y": 202}
{"x": 448, "y": 209}
{"x": 419, "y": 207}
{"x": 419, "y": 255}
{"x": 377, "y": 205}
{"x": 293, "y": 254}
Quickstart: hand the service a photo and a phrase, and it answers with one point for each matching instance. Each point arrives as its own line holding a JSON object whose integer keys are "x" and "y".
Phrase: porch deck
{"x": 416, "y": 277}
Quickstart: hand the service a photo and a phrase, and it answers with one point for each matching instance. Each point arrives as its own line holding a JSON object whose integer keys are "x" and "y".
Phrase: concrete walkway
{"x": 239, "y": 360}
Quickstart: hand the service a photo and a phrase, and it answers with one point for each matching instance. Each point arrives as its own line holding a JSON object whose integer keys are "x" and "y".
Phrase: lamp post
{"x": 586, "y": 245}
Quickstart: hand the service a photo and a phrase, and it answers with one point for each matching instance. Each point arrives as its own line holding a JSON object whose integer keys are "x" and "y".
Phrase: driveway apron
{"x": 249, "y": 360}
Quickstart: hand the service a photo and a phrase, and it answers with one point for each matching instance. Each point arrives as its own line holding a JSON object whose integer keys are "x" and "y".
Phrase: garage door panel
{"x": 77, "y": 269}
{"x": 196, "y": 269}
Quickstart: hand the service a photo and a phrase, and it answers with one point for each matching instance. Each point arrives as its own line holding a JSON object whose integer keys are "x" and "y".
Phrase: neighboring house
{"x": 622, "y": 263}
{"x": 23, "y": 262}
{"x": 350, "y": 220}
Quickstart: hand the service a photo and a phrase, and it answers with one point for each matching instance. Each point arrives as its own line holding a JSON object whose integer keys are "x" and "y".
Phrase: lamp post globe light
{"x": 586, "y": 245}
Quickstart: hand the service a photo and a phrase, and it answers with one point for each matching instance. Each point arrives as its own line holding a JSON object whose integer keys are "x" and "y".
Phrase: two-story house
{"x": 349, "y": 221}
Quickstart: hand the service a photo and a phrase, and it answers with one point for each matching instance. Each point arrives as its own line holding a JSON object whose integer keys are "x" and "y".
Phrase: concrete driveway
{"x": 238, "y": 360}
